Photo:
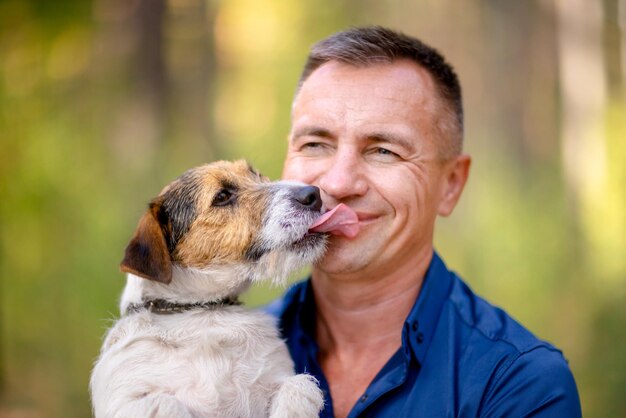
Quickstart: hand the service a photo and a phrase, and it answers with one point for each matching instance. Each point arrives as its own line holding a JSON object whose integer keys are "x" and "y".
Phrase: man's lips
{"x": 340, "y": 220}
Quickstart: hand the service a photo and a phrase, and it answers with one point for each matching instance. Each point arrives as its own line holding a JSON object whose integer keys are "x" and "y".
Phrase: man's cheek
{"x": 301, "y": 169}
{"x": 290, "y": 168}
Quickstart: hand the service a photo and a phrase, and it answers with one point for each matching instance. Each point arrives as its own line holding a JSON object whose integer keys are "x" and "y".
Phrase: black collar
{"x": 162, "y": 307}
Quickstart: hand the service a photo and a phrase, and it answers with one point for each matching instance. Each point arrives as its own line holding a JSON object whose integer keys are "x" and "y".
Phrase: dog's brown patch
{"x": 193, "y": 224}
{"x": 222, "y": 234}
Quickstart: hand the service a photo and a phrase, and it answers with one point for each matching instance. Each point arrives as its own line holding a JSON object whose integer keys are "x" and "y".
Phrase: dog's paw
{"x": 298, "y": 397}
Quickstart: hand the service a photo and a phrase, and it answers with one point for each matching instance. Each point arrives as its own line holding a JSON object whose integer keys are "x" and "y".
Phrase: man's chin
{"x": 341, "y": 260}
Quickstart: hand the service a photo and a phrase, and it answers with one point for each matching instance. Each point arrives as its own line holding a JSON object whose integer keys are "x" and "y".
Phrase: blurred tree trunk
{"x": 622, "y": 26}
{"x": 614, "y": 40}
{"x": 132, "y": 45}
{"x": 150, "y": 70}
{"x": 192, "y": 64}
{"x": 584, "y": 143}
{"x": 583, "y": 97}
{"x": 165, "y": 116}
{"x": 149, "y": 83}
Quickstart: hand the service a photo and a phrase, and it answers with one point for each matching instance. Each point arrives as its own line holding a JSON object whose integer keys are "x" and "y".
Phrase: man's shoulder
{"x": 512, "y": 359}
{"x": 491, "y": 323}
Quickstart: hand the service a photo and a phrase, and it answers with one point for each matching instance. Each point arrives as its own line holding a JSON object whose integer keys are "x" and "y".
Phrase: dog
{"x": 184, "y": 346}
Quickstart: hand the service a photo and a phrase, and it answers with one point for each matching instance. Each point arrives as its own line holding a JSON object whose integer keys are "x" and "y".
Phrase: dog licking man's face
{"x": 226, "y": 215}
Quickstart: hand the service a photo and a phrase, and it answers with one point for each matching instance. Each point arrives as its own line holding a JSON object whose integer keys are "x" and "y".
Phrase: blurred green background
{"x": 102, "y": 102}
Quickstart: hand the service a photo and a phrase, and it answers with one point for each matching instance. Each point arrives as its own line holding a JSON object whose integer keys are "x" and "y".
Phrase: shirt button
{"x": 420, "y": 338}
{"x": 415, "y": 325}
{"x": 363, "y": 398}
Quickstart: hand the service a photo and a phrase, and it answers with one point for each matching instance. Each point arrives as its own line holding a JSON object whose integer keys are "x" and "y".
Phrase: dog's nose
{"x": 309, "y": 197}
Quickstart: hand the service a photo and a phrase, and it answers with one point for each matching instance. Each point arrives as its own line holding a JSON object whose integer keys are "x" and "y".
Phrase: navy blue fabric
{"x": 460, "y": 357}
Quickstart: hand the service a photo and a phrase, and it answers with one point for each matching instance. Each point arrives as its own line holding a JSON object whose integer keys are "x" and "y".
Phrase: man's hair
{"x": 363, "y": 46}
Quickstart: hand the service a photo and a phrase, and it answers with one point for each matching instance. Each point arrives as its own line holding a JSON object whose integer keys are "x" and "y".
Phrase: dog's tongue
{"x": 341, "y": 220}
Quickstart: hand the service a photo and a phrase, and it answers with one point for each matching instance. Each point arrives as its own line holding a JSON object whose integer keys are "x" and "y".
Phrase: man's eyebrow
{"x": 391, "y": 138}
{"x": 311, "y": 131}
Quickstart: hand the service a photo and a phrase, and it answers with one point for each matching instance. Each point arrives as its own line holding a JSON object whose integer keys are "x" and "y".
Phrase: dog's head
{"x": 225, "y": 216}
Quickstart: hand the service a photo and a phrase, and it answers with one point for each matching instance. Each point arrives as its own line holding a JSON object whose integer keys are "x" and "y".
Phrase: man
{"x": 377, "y": 125}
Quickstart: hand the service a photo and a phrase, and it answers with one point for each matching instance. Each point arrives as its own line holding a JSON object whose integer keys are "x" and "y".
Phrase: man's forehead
{"x": 398, "y": 80}
{"x": 401, "y": 81}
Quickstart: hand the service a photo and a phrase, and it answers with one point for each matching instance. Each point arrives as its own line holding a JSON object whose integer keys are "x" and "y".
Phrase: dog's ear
{"x": 147, "y": 254}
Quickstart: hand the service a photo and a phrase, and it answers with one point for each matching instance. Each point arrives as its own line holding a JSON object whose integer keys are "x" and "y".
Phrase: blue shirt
{"x": 460, "y": 357}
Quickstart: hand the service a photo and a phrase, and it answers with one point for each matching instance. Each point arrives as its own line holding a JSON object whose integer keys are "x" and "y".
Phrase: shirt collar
{"x": 421, "y": 322}
{"x": 296, "y": 312}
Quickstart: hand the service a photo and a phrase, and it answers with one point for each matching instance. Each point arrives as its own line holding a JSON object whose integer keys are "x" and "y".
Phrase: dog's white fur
{"x": 222, "y": 363}
{"x": 217, "y": 362}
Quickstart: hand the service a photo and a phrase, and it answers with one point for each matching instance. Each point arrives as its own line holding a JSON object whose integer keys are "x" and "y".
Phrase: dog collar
{"x": 164, "y": 307}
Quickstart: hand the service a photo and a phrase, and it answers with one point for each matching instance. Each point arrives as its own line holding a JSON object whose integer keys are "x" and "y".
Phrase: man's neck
{"x": 359, "y": 325}
{"x": 358, "y": 311}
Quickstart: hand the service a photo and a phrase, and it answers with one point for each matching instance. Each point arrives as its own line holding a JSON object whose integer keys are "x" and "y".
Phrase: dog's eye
{"x": 223, "y": 198}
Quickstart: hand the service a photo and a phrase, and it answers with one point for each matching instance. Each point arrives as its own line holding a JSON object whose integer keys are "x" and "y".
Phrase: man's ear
{"x": 147, "y": 254}
{"x": 455, "y": 177}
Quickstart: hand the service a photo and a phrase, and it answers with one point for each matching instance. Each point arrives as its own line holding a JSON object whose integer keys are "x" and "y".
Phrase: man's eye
{"x": 224, "y": 197}
{"x": 386, "y": 152}
{"x": 313, "y": 148}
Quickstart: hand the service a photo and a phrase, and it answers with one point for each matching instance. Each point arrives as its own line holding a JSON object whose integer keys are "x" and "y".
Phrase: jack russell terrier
{"x": 184, "y": 346}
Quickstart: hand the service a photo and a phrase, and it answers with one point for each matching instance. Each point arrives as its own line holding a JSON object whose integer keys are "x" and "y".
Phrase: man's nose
{"x": 344, "y": 177}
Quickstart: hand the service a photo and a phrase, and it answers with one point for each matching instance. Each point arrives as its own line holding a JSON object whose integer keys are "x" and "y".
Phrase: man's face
{"x": 366, "y": 137}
